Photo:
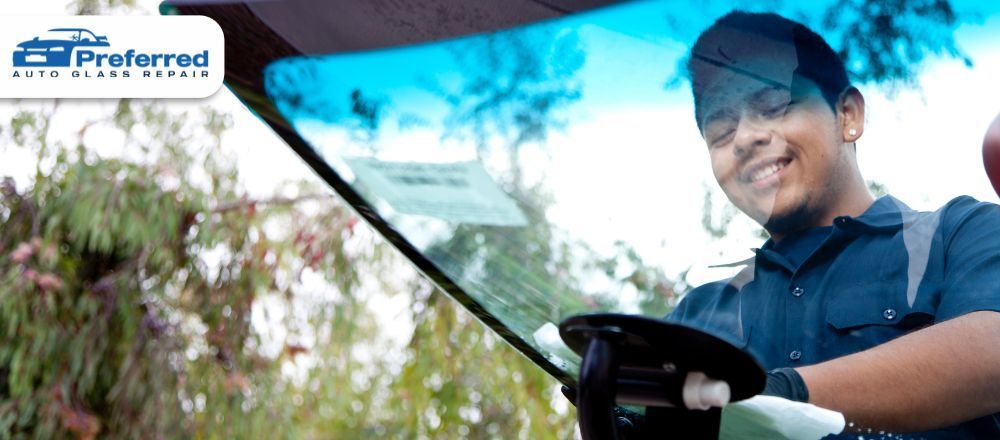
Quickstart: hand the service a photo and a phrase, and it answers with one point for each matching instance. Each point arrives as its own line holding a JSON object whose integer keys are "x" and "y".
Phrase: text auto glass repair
{"x": 91, "y": 64}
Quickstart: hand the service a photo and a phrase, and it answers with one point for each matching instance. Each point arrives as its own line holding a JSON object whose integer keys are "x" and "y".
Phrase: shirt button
{"x": 798, "y": 291}
{"x": 795, "y": 355}
{"x": 889, "y": 314}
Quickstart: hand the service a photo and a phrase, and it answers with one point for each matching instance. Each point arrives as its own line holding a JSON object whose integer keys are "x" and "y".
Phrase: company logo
{"x": 55, "y": 47}
{"x": 81, "y": 48}
{"x": 147, "y": 57}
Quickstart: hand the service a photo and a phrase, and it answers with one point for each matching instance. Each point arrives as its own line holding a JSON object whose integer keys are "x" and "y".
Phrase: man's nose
{"x": 751, "y": 134}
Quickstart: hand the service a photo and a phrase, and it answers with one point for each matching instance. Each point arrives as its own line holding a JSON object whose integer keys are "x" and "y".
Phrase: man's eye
{"x": 721, "y": 138}
{"x": 778, "y": 110}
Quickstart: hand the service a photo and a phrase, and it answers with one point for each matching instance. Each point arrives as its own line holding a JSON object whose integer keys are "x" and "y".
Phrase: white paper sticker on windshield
{"x": 459, "y": 192}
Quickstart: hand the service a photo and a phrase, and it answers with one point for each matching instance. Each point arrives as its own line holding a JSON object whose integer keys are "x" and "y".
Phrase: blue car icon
{"x": 55, "y": 47}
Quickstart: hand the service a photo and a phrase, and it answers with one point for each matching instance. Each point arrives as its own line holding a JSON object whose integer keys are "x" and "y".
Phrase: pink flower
{"x": 49, "y": 282}
{"x": 22, "y": 253}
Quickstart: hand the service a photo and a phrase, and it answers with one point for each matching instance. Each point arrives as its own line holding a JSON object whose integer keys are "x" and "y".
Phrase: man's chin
{"x": 788, "y": 221}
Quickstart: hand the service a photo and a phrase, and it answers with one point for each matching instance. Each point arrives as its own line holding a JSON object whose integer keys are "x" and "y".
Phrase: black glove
{"x": 786, "y": 382}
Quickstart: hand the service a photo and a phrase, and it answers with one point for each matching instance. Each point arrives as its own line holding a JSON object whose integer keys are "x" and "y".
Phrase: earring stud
{"x": 852, "y": 132}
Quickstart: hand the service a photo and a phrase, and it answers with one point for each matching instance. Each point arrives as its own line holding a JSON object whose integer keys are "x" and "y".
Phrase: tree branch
{"x": 275, "y": 201}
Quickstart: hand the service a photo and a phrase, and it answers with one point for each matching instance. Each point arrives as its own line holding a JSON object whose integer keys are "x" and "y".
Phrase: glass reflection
{"x": 607, "y": 188}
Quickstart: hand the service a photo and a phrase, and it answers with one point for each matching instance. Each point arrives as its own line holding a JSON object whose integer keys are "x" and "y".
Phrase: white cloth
{"x": 775, "y": 418}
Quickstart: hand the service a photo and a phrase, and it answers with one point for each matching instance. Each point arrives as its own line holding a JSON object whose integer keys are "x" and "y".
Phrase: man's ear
{"x": 851, "y": 114}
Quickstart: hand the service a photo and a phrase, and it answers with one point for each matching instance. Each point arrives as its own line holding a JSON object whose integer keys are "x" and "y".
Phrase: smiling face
{"x": 779, "y": 153}
{"x": 776, "y": 108}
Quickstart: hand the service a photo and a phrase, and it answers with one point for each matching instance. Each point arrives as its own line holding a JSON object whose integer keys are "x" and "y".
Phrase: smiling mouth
{"x": 763, "y": 173}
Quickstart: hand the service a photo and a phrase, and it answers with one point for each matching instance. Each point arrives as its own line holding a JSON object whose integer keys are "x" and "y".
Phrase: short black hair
{"x": 817, "y": 61}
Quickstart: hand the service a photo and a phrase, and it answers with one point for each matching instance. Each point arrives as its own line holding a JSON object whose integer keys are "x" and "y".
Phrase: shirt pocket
{"x": 867, "y": 315}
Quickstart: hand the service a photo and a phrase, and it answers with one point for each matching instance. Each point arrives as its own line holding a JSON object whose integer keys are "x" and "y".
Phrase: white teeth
{"x": 766, "y": 171}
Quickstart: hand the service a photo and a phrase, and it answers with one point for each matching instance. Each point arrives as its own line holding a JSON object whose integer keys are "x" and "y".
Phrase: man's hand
{"x": 932, "y": 378}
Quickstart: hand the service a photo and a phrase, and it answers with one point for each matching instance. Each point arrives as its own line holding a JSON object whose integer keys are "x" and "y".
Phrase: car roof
{"x": 282, "y": 28}
{"x": 69, "y": 29}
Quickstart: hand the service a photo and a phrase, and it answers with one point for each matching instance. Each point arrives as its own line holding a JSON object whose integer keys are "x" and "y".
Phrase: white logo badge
{"x": 110, "y": 57}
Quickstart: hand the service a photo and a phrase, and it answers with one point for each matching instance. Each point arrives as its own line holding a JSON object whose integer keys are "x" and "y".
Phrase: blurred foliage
{"x": 513, "y": 86}
{"x": 95, "y": 7}
{"x": 886, "y": 41}
{"x": 883, "y": 42}
{"x": 877, "y": 189}
{"x": 147, "y": 295}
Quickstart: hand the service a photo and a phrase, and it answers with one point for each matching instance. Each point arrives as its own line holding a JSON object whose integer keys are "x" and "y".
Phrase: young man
{"x": 859, "y": 305}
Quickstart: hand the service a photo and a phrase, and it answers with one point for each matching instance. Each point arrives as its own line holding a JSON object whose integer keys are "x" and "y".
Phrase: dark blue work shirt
{"x": 797, "y": 247}
{"x": 835, "y": 291}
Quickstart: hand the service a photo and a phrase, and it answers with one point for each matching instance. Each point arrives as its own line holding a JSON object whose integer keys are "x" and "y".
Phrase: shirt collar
{"x": 887, "y": 213}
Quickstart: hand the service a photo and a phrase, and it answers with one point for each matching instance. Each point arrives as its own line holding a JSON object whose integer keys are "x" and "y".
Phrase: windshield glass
{"x": 574, "y": 165}
{"x": 60, "y": 35}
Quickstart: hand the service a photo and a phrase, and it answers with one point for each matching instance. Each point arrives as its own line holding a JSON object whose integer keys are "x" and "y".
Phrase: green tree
{"x": 130, "y": 288}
